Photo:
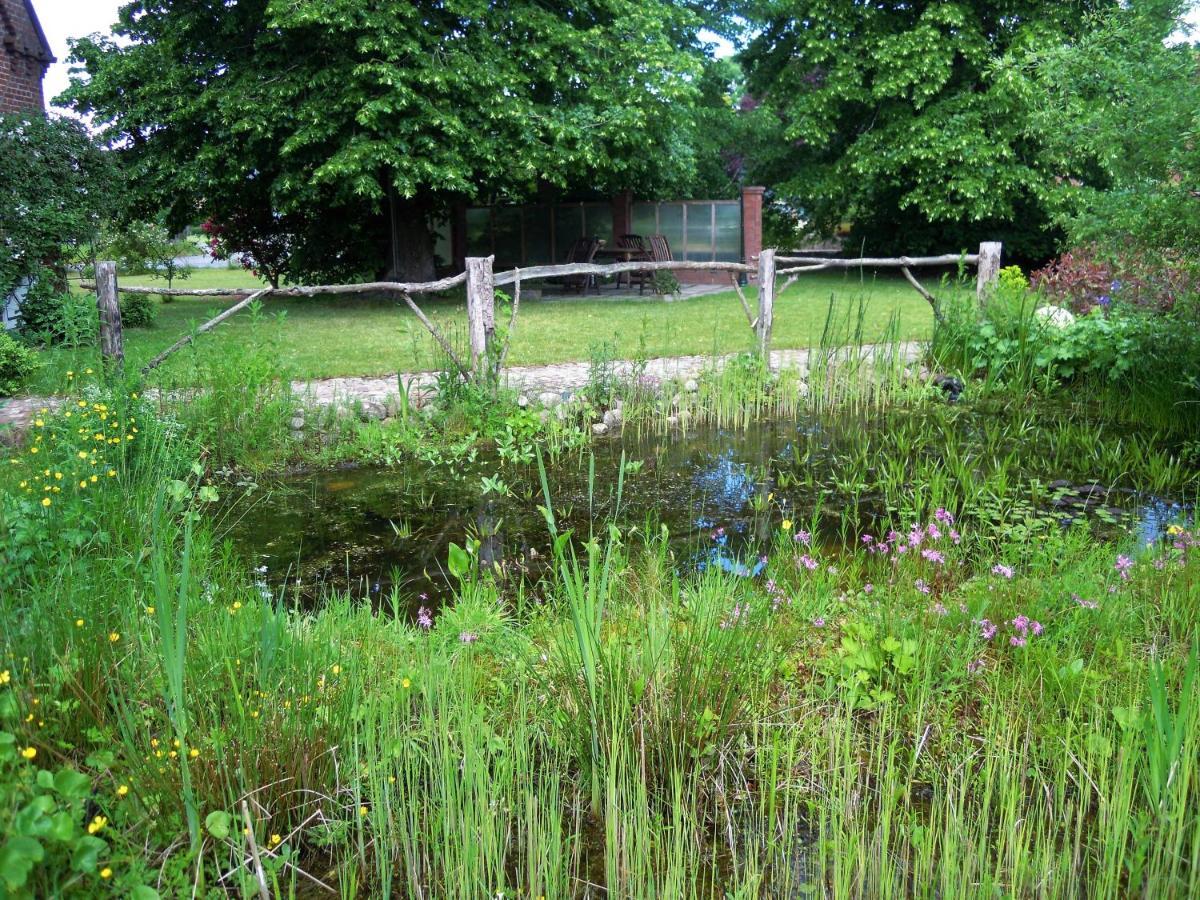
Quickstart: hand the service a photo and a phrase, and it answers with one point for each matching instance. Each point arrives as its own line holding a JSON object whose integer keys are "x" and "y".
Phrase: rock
{"x": 372, "y": 410}
{"x": 612, "y": 418}
{"x": 802, "y": 388}
{"x": 523, "y": 401}
{"x": 549, "y": 399}
{"x": 691, "y": 385}
{"x": 599, "y": 428}
{"x": 298, "y": 436}
{"x": 949, "y": 385}
{"x": 297, "y": 423}
{"x": 618, "y": 404}
{"x": 672, "y": 421}
{"x": 1055, "y": 316}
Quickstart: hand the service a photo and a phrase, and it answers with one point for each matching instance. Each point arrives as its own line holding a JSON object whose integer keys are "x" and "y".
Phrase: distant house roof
{"x": 25, "y": 38}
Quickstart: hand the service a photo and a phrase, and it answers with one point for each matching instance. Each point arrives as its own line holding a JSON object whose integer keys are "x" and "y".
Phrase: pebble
{"x": 599, "y": 428}
{"x": 691, "y": 385}
{"x": 549, "y": 399}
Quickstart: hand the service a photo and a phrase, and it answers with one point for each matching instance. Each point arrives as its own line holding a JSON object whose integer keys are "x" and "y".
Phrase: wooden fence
{"x": 486, "y": 358}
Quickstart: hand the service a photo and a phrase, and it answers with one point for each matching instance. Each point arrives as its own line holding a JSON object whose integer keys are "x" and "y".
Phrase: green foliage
{"x": 138, "y": 310}
{"x": 145, "y": 248}
{"x": 55, "y": 186}
{"x": 892, "y": 116}
{"x": 374, "y": 104}
{"x": 17, "y": 362}
{"x": 53, "y": 315}
{"x": 1116, "y": 110}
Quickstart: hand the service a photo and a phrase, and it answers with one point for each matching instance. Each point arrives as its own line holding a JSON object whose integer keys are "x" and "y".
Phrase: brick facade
{"x": 24, "y": 56}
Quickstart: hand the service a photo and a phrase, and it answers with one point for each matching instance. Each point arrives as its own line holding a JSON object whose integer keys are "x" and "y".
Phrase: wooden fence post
{"x": 112, "y": 343}
{"x": 766, "y": 301}
{"x": 988, "y": 268}
{"x": 481, "y": 310}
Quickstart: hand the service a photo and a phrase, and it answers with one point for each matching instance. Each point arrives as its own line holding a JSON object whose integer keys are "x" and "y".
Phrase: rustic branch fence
{"x": 486, "y": 358}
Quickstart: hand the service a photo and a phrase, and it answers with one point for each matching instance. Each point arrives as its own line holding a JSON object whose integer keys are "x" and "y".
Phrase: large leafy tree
{"x": 322, "y": 122}
{"x": 893, "y": 115}
{"x": 1118, "y": 112}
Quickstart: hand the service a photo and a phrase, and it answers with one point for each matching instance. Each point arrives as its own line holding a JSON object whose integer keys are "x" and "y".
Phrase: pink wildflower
{"x": 468, "y": 637}
{"x": 933, "y": 555}
{"x": 987, "y": 630}
{"x": 424, "y": 618}
{"x": 921, "y": 586}
{"x": 1002, "y": 570}
{"x": 1017, "y": 641}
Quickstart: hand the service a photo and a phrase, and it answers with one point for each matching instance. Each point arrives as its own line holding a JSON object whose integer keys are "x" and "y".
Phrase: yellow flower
{"x": 112, "y": 473}
{"x": 58, "y": 476}
{"x": 79, "y": 623}
{"x": 1174, "y": 530}
{"x": 39, "y": 423}
{"x": 114, "y": 636}
{"x": 787, "y": 524}
{"x": 33, "y": 449}
{"x": 106, "y": 872}
{"x": 83, "y": 484}
{"x": 46, "y": 501}
{"x": 193, "y": 753}
{"x": 93, "y": 479}
{"x": 335, "y": 669}
{"x": 406, "y": 683}
{"x": 29, "y": 752}
{"x": 274, "y": 841}
{"x": 362, "y": 810}
{"x": 123, "y": 790}
{"x": 97, "y": 824}
{"x": 149, "y": 610}
{"x": 153, "y": 742}
{"x": 5, "y": 677}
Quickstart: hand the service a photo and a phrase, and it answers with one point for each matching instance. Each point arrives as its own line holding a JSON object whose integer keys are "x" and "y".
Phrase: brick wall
{"x": 24, "y": 57}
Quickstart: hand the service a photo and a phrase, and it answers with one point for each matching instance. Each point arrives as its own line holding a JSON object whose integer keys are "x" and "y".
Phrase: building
{"x": 24, "y": 57}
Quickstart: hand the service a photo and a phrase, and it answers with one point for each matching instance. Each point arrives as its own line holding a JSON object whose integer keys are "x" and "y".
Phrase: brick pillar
{"x": 752, "y": 202}
{"x": 622, "y": 215}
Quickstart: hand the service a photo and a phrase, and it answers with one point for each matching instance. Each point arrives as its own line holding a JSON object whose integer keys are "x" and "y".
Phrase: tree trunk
{"x": 411, "y": 257}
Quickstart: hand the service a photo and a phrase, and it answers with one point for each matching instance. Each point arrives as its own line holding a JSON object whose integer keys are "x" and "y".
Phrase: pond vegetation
{"x": 791, "y": 632}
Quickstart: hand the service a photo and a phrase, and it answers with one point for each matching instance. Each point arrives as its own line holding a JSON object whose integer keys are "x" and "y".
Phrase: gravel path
{"x": 379, "y": 393}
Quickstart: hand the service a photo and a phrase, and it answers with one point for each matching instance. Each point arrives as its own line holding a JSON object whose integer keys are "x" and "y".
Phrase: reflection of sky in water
{"x": 1155, "y": 517}
{"x": 724, "y": 483}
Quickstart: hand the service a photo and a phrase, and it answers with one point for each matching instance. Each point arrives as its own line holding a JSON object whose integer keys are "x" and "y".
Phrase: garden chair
{"x": 582, "y": 251}
{"x": 632, "y": 242}
{"x": 660, "y": 251}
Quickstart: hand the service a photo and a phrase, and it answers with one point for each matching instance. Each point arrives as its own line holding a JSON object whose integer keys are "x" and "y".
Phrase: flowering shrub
{"x": 1085, "y": 278}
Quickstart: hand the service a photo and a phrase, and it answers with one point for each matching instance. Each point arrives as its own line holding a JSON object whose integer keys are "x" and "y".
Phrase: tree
{"x": 891, "y": 115}
{"x": 55, "y": 189}
{"x": 322, "y": 122}
{"x": 1118, "y": 112}
{"x": 145, "y": 247}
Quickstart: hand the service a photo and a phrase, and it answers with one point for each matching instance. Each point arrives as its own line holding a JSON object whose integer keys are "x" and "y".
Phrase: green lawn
{"x": 354, "y": 336}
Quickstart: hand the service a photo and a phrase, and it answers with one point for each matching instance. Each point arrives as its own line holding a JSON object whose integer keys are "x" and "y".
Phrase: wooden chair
{"x": 632, "y": 242}
{"x": 582, "y": 251}
{"x": 660, "y": 251}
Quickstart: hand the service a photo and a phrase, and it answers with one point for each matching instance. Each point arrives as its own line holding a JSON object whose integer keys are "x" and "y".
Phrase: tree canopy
{"x": 316, "y": 118}
{"x": 894, "y": 115}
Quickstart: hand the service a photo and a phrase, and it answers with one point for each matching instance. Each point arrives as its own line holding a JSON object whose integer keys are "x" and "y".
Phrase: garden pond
{"x": 722, "y": 494}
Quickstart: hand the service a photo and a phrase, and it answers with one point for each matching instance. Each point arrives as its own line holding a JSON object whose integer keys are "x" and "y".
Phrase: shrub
{"x": 17, "y": 362}
{"x": 1086, "y": 277}
{"x": 138, "y": 310}
{"x": 54, "y": 316}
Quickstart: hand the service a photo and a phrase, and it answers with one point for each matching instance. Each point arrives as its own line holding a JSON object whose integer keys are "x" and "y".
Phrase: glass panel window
{"x": 699, "y": 232}
{"x": 670, "y": 226}
{"x": 568, "y": 228}
{"x": 729, "y": 232}
{"x": 479, "y": 231}
{"x": 506, "y": 228}
{"x": 644, "y": 219}
{"x": 599, "y": 221}
{"x": 537, "y": 236}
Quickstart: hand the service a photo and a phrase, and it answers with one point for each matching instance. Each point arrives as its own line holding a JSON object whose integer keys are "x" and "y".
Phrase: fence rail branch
{"x": 374, "y": 287}
{"x": 618, "y": 268}
{"x": 885, "y": 262}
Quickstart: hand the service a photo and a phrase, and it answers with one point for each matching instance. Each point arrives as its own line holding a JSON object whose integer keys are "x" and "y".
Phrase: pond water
{"x": 366, "y": 530}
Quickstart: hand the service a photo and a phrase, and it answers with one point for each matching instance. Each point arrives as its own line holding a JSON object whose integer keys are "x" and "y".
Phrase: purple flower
{"x": 819, "y": 622}
{"x": 868, "y": 588}
{"x": 1035, "y": 627}
{"x": 1123, "y": 565}
{"x": 933, "y": 531}
{"x": 955, "y": 536}
{"x": 1017, "y": 641}
{"x": 1085, "y": 604}
{"x": 921, "y": 586}
{"x": 976, "y": 666}
{"x": 1021, "y": 623}
{"x": 943, "y": 516}
{"x": 807, "y": 561}
{"x": 868, "y": 540}
{"x": 468, "y": 637}
{"x": 802, "y": 537}
{"x": 424, "y": 617}
{"x": 933, "y": 555}
{"x": 1105, "y": 300}
{"x": 1002, "y": 570}
{"x": 940, "y": 610}
{"x": 987, "y": 630}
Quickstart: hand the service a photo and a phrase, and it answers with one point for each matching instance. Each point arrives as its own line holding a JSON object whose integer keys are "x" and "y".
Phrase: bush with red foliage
{"x": 1084, "y": 278}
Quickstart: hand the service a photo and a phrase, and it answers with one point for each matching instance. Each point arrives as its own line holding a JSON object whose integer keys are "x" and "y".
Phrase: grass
{"x": 958, "y": 708}
{"x": 328, "y": 337}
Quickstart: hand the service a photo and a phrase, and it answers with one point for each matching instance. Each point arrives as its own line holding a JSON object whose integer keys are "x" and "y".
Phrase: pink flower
{"x": 1002, "y": 570}
{"x": 940, "y": 610}
{"x": 424, "y": 617}
{"x": 1035, "y": 627}
{"x": 802, "y": 537}
{"x": 1085, "y": 604}
{"x": 819, "y": 622}
{"x": 868, "y": 540}
{"x": 1017, "y": 641}
{"x": 955, "y": 536}
{"x": 976, "y": 666}
{"x": 1021, "y": 623}
{"x": 921, "y": 586}
{"x": 468, "y": 637}
{"x": 807, "y": 561}
{"x": 932, "y": 531}
{"x": 1123, "y": 566}
{"x": 987, "y": 630}
{"x": 944, "y": 517}
{"x": 868, "y": 588}
{"x": 933, "y": 555}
